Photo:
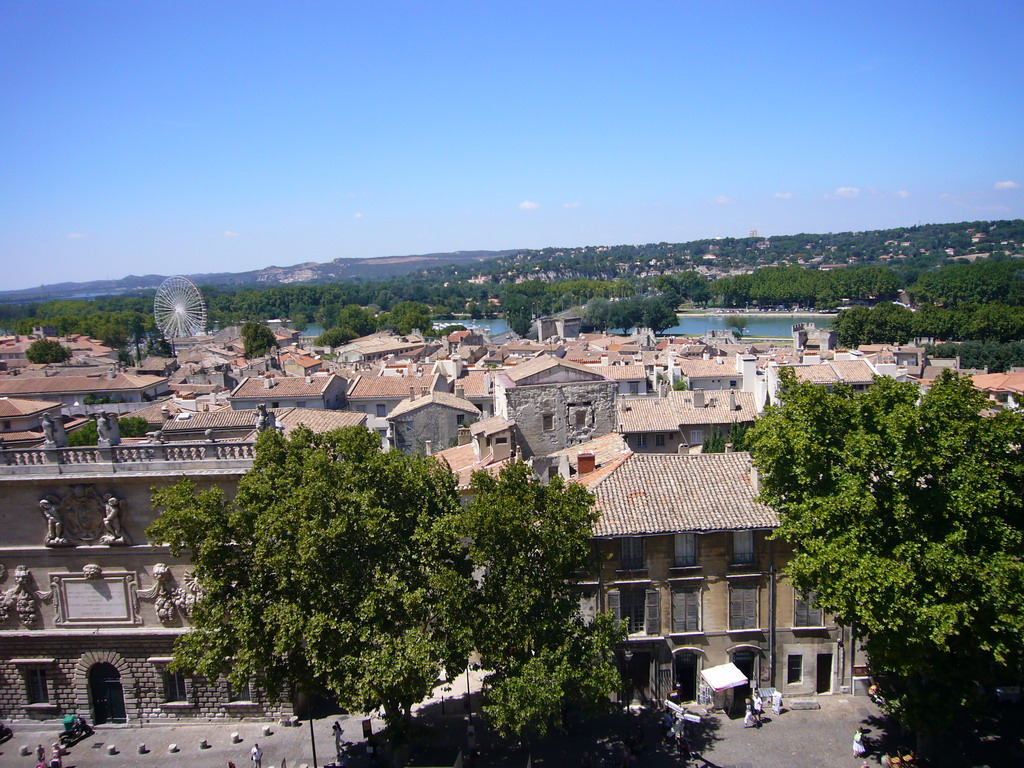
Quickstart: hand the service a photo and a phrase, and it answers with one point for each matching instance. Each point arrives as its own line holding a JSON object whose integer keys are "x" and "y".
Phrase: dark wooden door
{"x": 107, "y": 694}
{"x": 823, "y": 683}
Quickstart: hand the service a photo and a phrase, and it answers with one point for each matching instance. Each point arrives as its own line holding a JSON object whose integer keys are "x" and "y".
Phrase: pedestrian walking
{"x": 859, "y": 747}
{"x": 256, "y": 756}
{"x": 748, "y": 714}
{"x": 758, "y": 709}
{"x": 40, "y": 754}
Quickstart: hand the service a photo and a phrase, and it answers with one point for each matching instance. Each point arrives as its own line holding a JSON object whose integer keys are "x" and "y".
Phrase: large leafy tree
{"x": 47, "y": 351}
{"x": 531, "y": 541}
{"x": 335, "y": 569}
{"x": 907, "y": 514}
{"x": 257, "y": 339}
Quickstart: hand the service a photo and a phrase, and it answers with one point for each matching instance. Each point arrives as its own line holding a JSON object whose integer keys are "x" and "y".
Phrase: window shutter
{"x": 678, "y": 610}
{"x": 800, "y": 613}
{"x": 653, "y": 604}
{"x": 735, "y": 608}
{"x": 693, "y": 610}
{"x": 750, "y": 608}
{"x": 614, "y": 606}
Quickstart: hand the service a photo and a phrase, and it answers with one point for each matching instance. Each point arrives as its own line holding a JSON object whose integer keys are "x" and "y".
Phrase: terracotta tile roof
{"x": 999, "y": 382}
{"x": 676, "y": 411}
{"x": 491, "y": 426}
{"x": 16, "y": 385}
{"x": 853, "y": 371}
{"x": 252, "y": 387}
{"x": 704, "y": 369}
{"x": 605, "y": 448}
{"x": 649, "y": 493}
{"x": 621, "y": 372}
{"x": 463, "y": 463}
{"x": 472, "y": 382}
{"x": 227, "y": 419}
{"x": 433, "y": 398}
{"x": 17, "y": 406}
{"x": 820, "y": 373}
{"x": 544, "y": 363}
{"x": 387, "y": 387}
{"x": 318, "y": 420}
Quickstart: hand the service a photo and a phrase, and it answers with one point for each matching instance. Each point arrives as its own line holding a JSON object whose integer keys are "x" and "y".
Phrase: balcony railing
{"x": 135, "y": 457}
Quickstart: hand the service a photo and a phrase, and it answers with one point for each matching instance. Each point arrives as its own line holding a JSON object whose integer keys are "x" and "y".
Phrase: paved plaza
{"x": 794, "y": 739}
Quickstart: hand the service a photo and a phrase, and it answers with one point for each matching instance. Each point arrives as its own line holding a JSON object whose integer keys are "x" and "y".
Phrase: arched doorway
{"x": 106, "y": 694}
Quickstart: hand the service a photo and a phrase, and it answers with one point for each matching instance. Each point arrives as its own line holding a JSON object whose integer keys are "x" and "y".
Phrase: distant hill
{"x": 308, "y": 272}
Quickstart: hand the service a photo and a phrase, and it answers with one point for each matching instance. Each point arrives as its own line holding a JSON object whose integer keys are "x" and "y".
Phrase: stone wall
{"x": 563, "y": 403}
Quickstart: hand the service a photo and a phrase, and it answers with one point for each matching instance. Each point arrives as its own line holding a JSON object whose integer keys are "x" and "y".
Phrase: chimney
{"x": 412, "y": 393}
{"x": 464, "y": 436}
{"x": 585, "y": 463}
{"x": 460, "y": 391}
{"x": 428, "y": 447}
{"x": 732, "y": 400}
{"x": 728, "y": 447}
{"x": 698, "y": 398}
{"x": 309, "y": 379}
{"x": 755, "y": 480}
{"x": 267, "y": 382}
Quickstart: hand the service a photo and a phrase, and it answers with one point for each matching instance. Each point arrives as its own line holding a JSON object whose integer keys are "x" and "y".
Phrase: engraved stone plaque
{"x": 107, "y": 600}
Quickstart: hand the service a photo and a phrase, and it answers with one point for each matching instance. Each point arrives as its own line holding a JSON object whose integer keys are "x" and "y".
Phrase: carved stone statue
{"x": 262, "y": 417}
{"x": 54, "y": 524}
{"x": 112, "y": 533}
{"x": 102, "y": 430}
{"x": 48, "y": 432}
{"x": 92, "y": 571}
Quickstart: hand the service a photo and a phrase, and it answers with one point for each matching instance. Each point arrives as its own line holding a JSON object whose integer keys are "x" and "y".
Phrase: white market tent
{"x": 724, "y": 676}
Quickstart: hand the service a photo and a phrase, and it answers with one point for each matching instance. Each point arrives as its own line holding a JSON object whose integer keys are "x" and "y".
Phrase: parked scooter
{"x": 75, "y": 729}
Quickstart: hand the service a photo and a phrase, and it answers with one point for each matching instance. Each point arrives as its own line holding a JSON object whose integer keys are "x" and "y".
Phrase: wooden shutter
{"x": 614, "y": 605}
{"x": 743, "y": 608}
{"x": 693, "y": 610}
{"x": 750, "y": 608}
{"x": 653, "y": 605}
{"x": 800, "y": 613}
{"x": 678, "y": 610}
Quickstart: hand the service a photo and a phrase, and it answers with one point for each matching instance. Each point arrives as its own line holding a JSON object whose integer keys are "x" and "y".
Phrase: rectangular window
{"x": 174, "y": 686}
{"x": 381, "y": 409}
{"x": 460, "y": 419}
{"x": 240, "y": 694}
{"x": 742, "y": 607}
{"x": 581, "y": 418}
{"x": 549, "y": 422}
{"x": 639, "y": 608}
{"x": 659, "y": 441}
{"x": 696, "y": 437}
{"x": 805, "y": 614}
{"x": 794, "y": 669}
{"x": 732, "y": 384}
{"x": 632, "y": 554}
{"x": 685, "y": 549}
{"x": 742, "y": 547}
{"x": 641, "y": 441}
{"x": 686, "y": 610}
{"x": 634, "y": 388}
{"x": 35, "y": 681}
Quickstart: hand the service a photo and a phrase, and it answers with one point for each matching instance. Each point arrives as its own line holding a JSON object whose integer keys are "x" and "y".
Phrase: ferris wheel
{"x": 179, "y": 308}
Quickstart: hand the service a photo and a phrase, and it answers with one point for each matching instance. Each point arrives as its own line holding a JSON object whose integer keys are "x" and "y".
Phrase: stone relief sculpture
{"x": 102, "y": 430}
{"x": 170, "y": 600}
{"x": 112, "y": 533}
{"x": 92, "y": 571}
{"x": 262, "y": 417}
{"x": 83, "y": 517}
{"x": 22, "y": 597}
{"x": 54, "y": 523}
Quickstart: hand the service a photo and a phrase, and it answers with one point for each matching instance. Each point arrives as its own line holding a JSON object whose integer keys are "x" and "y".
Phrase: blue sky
{"x": 183, "y": 137}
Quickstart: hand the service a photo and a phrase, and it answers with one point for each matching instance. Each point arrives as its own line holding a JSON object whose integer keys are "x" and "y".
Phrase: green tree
{"x": 335, "y": 337}
{"x": 533, "y": 540}
{"x": 258, "y": 339}
{"x": 679, "y": 385}
{"x": 129, "y": 426}
{"x": 47, "y": 351}
{"x": 335, "y": 569}
{"x": 906, "y": 514}
{"x": 714, "y": 442}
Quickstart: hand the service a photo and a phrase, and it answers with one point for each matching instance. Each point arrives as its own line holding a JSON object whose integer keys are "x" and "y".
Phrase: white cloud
{"x": 570, "y": 205}
{"x": 229, "y": 233}
{"x": 1003, "y": 185}
{"x": 528, "y": 205}
{"x": 847, "y": 192}
{"x": 722, "y": 200}
{"x": 783, "y": 195}
{"x": 903, "y": 194}
{"x": 357, "y": 215}
{"x": 75, "y": 235}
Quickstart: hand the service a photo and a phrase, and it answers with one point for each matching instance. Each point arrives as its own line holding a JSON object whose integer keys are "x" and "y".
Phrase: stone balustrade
{"x": 132, "y": 457}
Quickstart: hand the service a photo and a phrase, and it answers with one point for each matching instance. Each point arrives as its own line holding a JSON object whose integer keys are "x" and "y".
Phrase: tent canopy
{"x": 724, "y": 676}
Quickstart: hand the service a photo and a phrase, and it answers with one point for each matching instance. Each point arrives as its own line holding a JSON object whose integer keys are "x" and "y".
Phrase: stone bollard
{"x": 143, "y": 750}
{"x": 204, "y": 744}
{"x": 294, "y": 721}
{"x": 111, "y": 749}
{"x": 172, "y": 748}
{"x": 25, "y": 751}
{"x": 235, "y": 738}
{"x": 267, "y": 731}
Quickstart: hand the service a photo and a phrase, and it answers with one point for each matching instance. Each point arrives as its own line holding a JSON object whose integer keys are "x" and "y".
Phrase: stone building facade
{"x": 89, "y": 609}
{"x": 683, "y": 555}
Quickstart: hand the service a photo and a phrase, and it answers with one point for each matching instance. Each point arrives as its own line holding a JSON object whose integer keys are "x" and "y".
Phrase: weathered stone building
{"x": 555, "y": 403}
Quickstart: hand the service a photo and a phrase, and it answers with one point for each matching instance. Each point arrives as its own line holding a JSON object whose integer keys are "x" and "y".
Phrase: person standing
{"x": 758, "y": 709}
{"x": 748, "y": 714}
{"x": 859, "y": 747}
{"x": 257, "y": 756}
{"x": 40, "y": 754}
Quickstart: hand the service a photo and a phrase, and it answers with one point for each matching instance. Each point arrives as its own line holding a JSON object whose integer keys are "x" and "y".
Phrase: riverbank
{"x": 747, "y": 313}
